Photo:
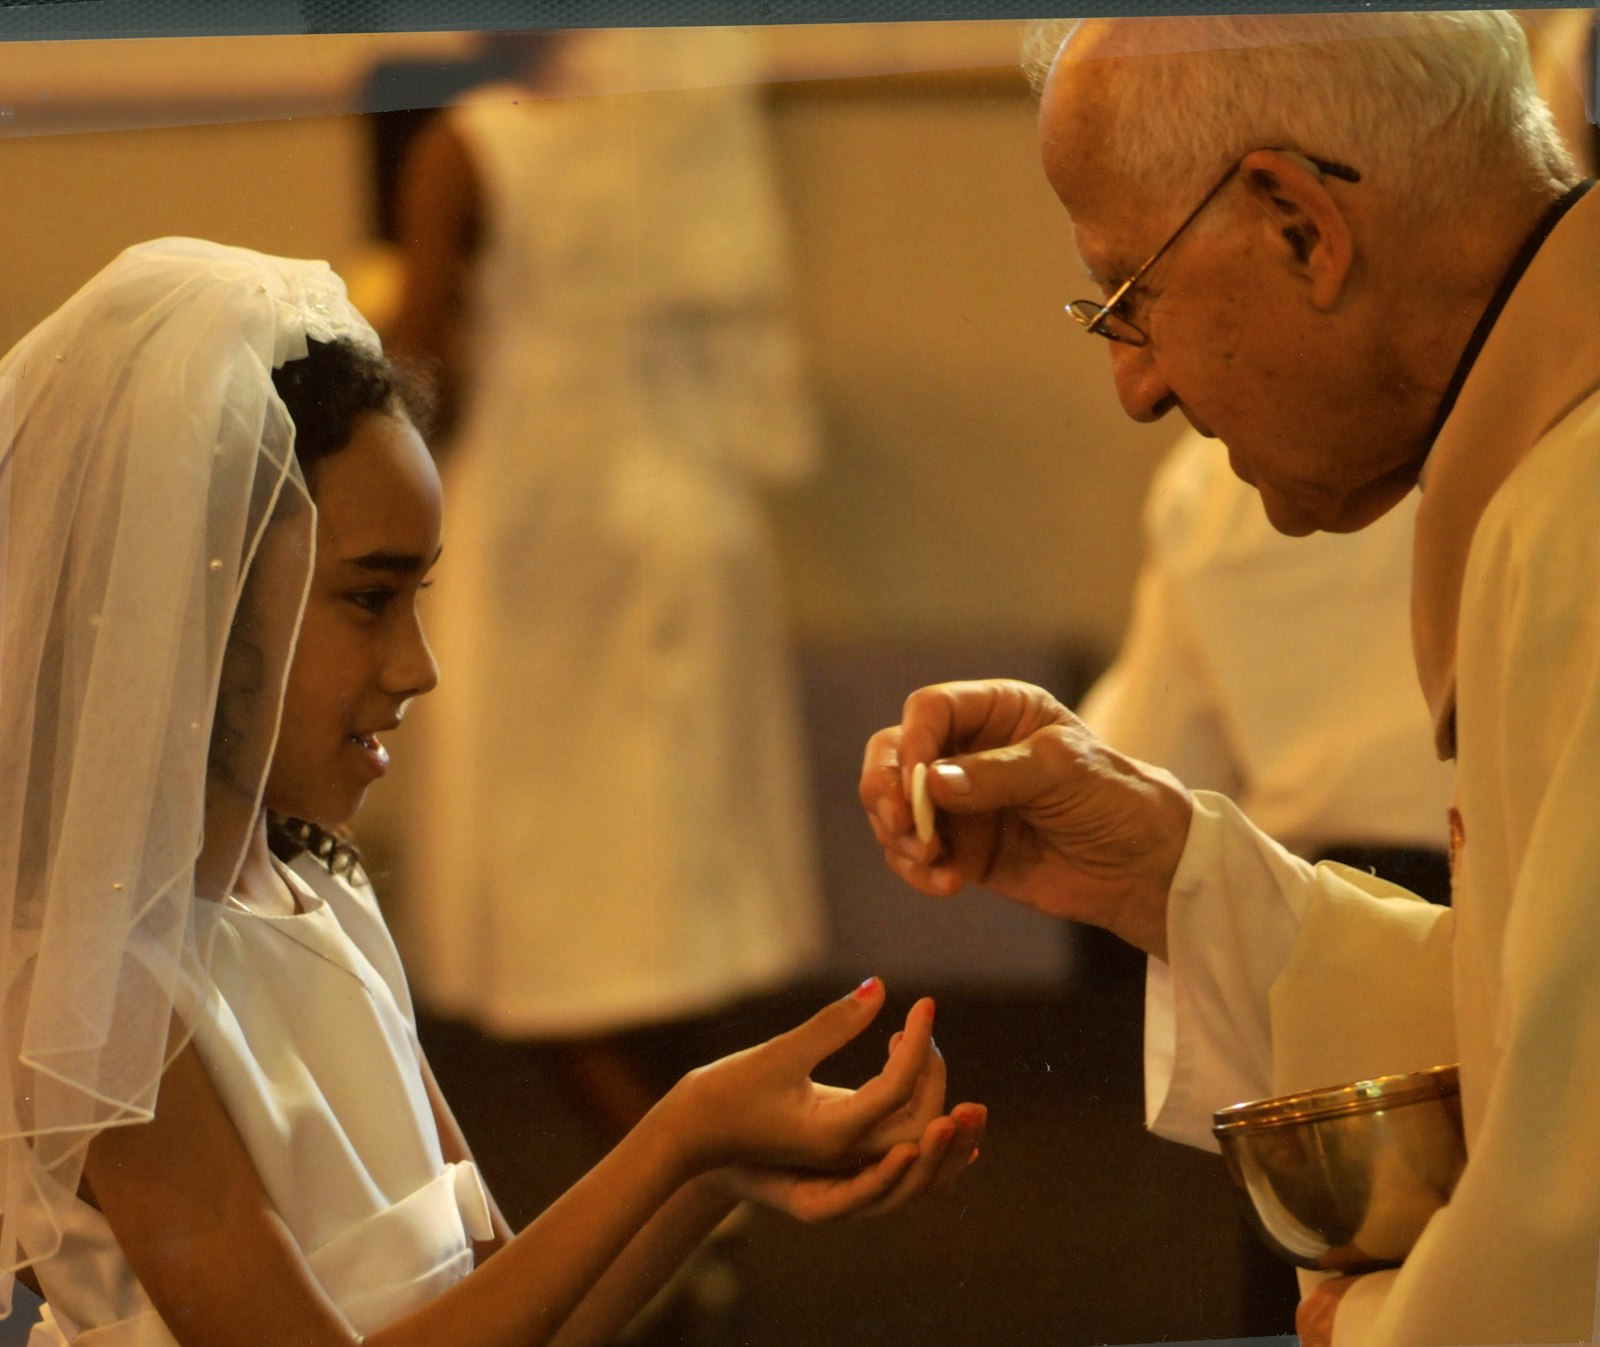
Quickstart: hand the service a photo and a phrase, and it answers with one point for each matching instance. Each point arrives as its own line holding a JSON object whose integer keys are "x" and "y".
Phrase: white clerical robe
{"x": 1283, "y": 976}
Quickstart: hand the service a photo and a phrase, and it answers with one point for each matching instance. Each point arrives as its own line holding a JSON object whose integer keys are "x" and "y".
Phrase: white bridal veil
{"x": 155, "y": 548}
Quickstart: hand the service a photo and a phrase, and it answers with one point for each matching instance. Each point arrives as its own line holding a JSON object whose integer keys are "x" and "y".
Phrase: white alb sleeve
{"x": 1282, "y": 976}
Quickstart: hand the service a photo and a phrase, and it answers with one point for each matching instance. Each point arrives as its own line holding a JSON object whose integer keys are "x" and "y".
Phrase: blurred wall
{"x": 73, "y": 200}
{"x": 979, "y": 478}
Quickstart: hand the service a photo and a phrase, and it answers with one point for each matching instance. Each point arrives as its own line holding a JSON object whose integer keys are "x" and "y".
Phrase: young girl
{"x": 216, "y": 1125}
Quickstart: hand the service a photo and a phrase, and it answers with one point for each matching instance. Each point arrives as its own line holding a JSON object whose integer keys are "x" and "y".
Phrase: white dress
{"x": 611, "y": 823}
{"x": 309, "y": 1042}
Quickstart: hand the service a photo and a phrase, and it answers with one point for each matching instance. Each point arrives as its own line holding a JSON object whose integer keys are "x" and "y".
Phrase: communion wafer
{"x": 921, "y": 805}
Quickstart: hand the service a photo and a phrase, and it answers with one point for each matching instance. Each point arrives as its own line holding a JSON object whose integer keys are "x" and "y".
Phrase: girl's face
{"x": 361, "y": 655}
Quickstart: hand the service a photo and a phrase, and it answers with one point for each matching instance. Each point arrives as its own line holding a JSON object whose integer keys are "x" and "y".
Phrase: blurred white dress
{"x": 611, "y": 823}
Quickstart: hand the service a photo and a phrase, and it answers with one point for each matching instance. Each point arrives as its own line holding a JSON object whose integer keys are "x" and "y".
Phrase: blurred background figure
{"x": 1273, "y": 669}
{"x": 601, "y": 279}
{"x": 1561, "y": 45}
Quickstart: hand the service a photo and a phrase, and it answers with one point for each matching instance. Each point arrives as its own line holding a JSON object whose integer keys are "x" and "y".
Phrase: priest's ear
{"x": 1307, "y": 228}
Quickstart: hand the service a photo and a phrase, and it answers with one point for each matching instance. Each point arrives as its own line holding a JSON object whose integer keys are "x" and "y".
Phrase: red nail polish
{"x": 865, "y": 989}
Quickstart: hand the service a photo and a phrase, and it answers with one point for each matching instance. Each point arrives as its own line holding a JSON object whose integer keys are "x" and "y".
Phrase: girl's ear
{"x": 1308, "y": 229}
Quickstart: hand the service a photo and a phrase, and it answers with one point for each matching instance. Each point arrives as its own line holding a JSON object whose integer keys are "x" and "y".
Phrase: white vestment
{"x": 1283, "y": 977}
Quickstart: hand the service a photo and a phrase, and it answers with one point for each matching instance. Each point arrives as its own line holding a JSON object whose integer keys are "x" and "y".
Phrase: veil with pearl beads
{"x": 156, "y": 543}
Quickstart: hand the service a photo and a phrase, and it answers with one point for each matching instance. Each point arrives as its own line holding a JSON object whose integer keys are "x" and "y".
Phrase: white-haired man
{"x": 1354, "y": 249}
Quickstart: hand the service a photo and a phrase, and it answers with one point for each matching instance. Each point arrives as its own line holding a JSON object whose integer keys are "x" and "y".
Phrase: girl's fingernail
{"x": 865, "y": 989}
{"x": 955, "y": 778}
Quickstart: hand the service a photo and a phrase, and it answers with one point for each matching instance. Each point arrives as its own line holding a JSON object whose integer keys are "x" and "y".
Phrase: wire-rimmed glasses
{"x": 1109, "y": 319}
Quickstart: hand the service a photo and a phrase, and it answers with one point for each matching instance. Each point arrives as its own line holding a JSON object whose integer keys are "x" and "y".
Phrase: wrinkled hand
{"x": 908, "y": 1170}
{"x": 1313, "y": 1319}
{"x": 1031, "y": 805}
{"x": 761, "y": 1107}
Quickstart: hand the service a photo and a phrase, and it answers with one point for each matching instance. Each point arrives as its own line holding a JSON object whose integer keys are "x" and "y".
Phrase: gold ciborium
{"x": 1343, "y": 1179}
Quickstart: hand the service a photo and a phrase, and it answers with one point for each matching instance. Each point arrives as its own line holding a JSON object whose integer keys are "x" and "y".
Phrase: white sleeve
{"x": 1232, "y": 919}
{"x": 1260, "y": 945}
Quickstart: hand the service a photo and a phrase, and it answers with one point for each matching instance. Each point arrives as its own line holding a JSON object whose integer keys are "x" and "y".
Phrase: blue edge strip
{"x": 56, "y": 19}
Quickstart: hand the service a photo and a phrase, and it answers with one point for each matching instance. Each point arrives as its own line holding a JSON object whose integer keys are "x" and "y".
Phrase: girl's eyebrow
{"x": 393, "y": 563}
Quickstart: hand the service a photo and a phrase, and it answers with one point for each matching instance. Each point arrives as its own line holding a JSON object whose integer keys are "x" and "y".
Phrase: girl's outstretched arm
{"x": 918, "y": 1151}
{"x": 198, "y": 1229}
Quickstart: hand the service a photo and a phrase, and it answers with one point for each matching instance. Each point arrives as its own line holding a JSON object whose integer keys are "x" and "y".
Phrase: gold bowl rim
{"x": 1335, "y": 1101}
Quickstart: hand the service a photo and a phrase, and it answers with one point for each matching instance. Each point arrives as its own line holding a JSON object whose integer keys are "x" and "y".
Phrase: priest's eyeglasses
{"x": 1110, "y": 320}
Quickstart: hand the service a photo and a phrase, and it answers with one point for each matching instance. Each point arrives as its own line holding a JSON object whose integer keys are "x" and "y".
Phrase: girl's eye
{"x": 371, "y": 600}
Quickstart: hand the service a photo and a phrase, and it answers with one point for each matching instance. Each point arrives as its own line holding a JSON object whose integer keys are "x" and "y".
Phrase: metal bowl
{"x": 1344, "y": 1179}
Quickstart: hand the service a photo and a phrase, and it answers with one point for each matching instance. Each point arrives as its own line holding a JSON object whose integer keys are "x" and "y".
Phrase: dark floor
{"x": 1076, "y": 1228}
